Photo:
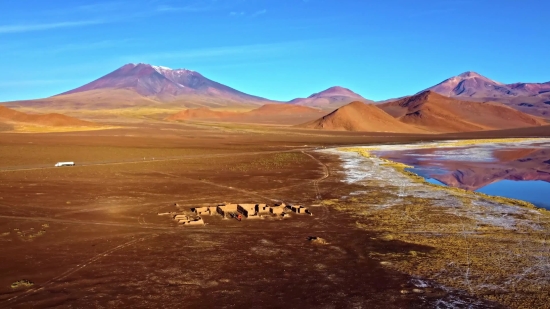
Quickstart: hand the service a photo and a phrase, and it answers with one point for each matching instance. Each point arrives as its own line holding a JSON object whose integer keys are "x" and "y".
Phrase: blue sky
{"x": 272, "y": 48}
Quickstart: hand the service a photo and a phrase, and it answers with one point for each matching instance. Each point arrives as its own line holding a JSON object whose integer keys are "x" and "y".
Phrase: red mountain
{"x": 54, "y": 120}
{"x": 144, "y": 85}
{"x": 282, "y": 114}
{"x": 531, "y": 98}
{"x": 164, "y": 84}
{"x": 434, "y": 112}
{"x": 331, "y": 98}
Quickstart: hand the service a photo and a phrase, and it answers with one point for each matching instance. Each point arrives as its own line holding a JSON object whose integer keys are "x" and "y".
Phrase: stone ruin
{"x": 229, "y": 210}
{"x": 299, "y": 209}
{"x": 186, "y": 220}
{"x": 226, "y": 209}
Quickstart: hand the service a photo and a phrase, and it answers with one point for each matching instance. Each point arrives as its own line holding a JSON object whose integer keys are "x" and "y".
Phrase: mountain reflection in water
{"x": 515, "y": 171}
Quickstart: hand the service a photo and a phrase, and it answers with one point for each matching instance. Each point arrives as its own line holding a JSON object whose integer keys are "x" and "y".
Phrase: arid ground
{"x": 90, "y": 236}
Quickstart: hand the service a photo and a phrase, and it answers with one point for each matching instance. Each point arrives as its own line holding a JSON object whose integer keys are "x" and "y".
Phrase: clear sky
{"x": 279, "y": 49}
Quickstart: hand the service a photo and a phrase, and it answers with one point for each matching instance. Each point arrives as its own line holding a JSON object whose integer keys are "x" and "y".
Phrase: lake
{"x": 518, "y": 169}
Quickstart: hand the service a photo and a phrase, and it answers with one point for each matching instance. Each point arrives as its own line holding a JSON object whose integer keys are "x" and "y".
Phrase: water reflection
{"x": 534, "y": 191}
{"x": 519, "y": 170}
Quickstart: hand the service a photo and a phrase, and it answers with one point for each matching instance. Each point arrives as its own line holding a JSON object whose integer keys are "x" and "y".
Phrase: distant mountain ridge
{"x": 144, "y": 85}
{"x": 531, "y": 98}
{"x": 437, "y": 113}
{"x": 330, "y": 98}
{"x": 425, "y": 113}
{"x": 283, "y": 114}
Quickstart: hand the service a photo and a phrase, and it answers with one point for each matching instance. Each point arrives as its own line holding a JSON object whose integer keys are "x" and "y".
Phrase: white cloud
{"x": 197, "y": 6}
{"x": 46, "y": 26}
{"x": 237, "y": 13}
{"x": 102, "y": 7}
{"x": 262, "y": 50}
{"x": 36, "y": 82}
{"x": 167, "y": 8}
{"x": 258, "y": 13}
{"x": 74, "y": 47}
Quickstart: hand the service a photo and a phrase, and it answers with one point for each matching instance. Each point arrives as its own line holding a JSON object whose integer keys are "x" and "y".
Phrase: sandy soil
{"x": 358, "y": 116}
{"x": 282, "y": 114}
{"x": 42, "y": 122}
{"x": 89, "y": 236}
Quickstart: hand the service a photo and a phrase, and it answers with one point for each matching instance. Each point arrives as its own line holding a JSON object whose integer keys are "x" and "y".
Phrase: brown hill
{"x": 358, "y": 116}
{"x": 268, "y": 113}
{"x": 55, "y": 120}
{"x": 434, "y": 112}
{"x": 284, "y": 114}
{"x": 283, "y": 109}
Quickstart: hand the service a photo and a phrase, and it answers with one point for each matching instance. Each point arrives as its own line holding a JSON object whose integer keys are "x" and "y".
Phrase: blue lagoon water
{"x": 533, "y": 191}
{"x": 519, "y": 170}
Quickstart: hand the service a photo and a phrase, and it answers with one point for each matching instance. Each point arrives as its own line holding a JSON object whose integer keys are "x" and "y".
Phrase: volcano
{"x": 330, "y": 98}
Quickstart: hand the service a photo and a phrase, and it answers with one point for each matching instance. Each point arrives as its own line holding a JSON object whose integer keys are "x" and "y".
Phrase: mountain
{"x": 8, "y": 115}
{"x": 434, "y": 112}
{"x": 331, "y": 98}
{"x": 471, "y": 84}
{"x": 531, "y": 98}
{"x": 358, "y": 116}
{"x": 268, "y": 113}
{"x": 147, "y": 85}
{"x": 163, "y": 83}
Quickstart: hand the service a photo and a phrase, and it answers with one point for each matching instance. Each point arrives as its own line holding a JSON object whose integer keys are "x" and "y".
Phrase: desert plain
{"x": 90, "y": 236}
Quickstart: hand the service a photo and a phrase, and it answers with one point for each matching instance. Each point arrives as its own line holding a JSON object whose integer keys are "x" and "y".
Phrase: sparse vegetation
{"x": 500, "y": 256}
{"x": 22, "y": 284}
{"x": 271, "y": 162}
{"x": 27, "y": 128}
{"x": 402, "y": 168}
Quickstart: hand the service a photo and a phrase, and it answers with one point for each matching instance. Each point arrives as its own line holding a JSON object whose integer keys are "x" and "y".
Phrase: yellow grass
{"x": 498, "y": 264}
{"x": 48, "y": 129}
{"x": 489, "y": 141}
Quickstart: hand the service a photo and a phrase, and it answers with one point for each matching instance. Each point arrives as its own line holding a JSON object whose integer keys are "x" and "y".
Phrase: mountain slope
{"x": 330, "y": 98}
{"x": 437, "y": 113}
{"x": 358, "y": 116}
{"x": 268, "y": 113}
{"x": 532, "y": 98}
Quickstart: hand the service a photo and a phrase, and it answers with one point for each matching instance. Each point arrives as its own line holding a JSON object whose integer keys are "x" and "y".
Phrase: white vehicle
{"x": 58, "y": 164}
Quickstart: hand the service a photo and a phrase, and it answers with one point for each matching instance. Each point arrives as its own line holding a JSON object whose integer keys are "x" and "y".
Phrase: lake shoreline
{"x": 479, "y": 245}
